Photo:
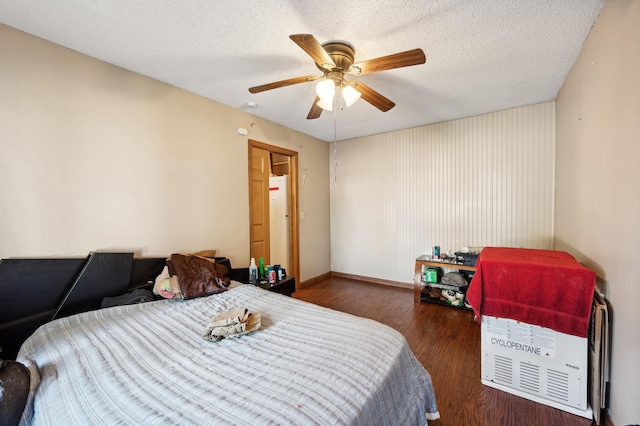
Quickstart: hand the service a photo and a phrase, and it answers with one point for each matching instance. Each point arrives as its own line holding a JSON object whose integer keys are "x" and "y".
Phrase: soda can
{"x": 272, "y": 275}
{"x": 436, "y": 252}
{"x": 276, "y": 268}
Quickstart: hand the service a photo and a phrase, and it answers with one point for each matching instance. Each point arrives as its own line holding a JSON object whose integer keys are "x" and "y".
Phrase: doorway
{"x": 266, "y": 160}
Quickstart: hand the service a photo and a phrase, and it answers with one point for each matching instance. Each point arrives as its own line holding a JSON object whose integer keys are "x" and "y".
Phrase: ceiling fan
{"x": 336, "y": 60}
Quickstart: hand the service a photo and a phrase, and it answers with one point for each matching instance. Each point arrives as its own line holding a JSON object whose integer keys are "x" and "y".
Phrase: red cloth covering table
{"x": 541, "y": 287}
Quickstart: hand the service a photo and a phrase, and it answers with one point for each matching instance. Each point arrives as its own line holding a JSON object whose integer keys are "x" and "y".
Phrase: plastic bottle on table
{"x": 253, "y": 271}
{"x": 261, "y": 269}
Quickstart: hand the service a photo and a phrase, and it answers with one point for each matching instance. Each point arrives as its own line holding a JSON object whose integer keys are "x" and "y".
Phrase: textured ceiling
{"x": 482, "y": 56}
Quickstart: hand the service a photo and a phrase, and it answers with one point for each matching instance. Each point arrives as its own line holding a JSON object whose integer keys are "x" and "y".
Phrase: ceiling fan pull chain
{"x": 335, "y": 149}
{"x": 335, "y": 163}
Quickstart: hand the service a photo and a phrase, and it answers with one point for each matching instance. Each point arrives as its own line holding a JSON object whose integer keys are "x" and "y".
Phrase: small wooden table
{"x": 425, "y": 261}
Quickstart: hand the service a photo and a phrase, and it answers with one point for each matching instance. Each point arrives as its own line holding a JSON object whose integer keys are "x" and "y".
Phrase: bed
{"x": 149, "y": 364}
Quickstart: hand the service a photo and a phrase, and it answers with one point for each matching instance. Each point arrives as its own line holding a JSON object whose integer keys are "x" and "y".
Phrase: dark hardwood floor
{"x": 447, "y": 342}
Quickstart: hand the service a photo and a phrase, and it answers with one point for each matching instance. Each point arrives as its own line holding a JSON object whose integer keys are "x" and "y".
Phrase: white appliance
{"x": 536, "y": 363}
{"x": 279, "y": 220}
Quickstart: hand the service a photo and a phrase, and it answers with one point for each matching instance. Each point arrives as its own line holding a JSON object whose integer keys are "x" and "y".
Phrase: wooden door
{"x": 261, "y": 165}
{"x": 259, "y": 170}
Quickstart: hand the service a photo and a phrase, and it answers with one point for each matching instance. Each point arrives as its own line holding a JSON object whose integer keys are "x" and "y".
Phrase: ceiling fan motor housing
{"x": 342, "y": 53}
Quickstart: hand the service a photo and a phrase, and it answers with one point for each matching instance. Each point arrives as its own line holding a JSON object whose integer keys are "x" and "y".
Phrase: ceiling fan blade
{"x": 397, "y": 60}
{"x": 373, "y": 97}
{"x": 283, "y": 83}
{"x": 309, "y": 44}
{"x": 315, "y": 110}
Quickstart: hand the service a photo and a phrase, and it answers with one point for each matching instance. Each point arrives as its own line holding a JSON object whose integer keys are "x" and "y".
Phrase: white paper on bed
{"x": 148, "y": 364}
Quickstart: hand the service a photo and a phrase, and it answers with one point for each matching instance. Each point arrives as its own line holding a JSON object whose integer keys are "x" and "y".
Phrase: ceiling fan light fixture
{"x": 326, "y": 104}
{"x": 325, "y": 89}
{"x": 350, "y": 95}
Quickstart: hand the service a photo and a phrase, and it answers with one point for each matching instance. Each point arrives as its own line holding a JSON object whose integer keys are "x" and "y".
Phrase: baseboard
{"x": 372, "y": 280}
{"x": 328, "y": 275}
{"x": 314, "y": 280}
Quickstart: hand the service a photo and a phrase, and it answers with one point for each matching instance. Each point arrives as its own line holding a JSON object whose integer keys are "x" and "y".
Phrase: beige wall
{"x": 598, "y": 183}
{"x": 96, "y": 157}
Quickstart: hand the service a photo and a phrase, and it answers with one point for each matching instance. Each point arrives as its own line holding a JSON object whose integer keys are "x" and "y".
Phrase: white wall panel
{"x": 479, "y": 181}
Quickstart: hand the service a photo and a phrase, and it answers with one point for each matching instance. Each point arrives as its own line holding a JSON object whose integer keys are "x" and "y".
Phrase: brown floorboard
{"x": 447, "y": 342}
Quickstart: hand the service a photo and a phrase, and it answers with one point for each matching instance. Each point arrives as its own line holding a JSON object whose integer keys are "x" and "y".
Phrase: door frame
{"x": 294, "y": 223}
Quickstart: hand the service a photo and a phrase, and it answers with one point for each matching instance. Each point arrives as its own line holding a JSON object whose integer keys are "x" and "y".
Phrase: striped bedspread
{"x": 148, "y": 364}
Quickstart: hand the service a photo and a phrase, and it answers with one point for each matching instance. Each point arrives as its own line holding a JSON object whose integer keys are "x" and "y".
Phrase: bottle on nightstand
{"x": 253, "y": 272}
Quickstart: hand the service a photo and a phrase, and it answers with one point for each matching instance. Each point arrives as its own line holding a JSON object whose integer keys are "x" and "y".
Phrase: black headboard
{"x": 35, "y": 291}
{"x": 103, "y": 274}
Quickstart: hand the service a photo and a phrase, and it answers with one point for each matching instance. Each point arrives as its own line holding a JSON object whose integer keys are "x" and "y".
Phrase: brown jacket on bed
{"x": 197, "y": 276}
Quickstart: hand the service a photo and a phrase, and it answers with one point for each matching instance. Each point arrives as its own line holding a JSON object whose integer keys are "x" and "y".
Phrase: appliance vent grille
{"x": 558, "y": 385}
{"x": 504, "y": 369}
{"x": 530, "y": 377}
